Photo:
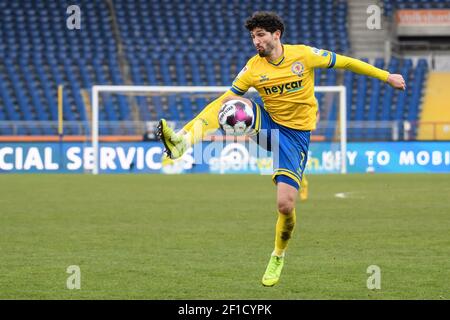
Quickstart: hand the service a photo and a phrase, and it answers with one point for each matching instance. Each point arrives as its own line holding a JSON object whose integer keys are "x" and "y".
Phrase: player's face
{"x": 263, "y": 41}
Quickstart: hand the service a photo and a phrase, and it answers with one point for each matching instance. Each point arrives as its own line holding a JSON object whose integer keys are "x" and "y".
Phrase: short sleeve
{"x": 320, "y": 58}
{"x": 242, "y": 82}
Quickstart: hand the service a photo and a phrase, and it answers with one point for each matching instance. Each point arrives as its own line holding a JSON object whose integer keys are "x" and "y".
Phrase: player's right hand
{"x": 396, "y": 81}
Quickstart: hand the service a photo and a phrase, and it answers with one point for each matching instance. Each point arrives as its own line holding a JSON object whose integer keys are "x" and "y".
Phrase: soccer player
{"x": 283, "y": 75}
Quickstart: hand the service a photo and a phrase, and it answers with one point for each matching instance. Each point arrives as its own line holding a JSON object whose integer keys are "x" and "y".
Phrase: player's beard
{"x": 266, "y": 52}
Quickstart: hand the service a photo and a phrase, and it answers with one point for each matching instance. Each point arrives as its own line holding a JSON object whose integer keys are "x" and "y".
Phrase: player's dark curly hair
{"x": 268, "y": 21}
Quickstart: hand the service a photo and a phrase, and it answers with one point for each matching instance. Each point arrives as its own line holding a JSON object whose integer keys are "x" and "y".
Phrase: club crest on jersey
{"x": 298, "y": 68}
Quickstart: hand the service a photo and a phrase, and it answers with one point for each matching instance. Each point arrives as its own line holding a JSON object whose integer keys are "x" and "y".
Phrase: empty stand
{"x": 200, "y": 43}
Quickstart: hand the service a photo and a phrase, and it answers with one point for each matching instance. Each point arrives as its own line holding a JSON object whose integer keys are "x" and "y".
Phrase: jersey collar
{"x": 279, "y": 60}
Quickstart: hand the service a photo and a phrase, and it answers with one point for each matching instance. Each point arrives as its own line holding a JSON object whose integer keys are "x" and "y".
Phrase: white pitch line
{"x": 341, "y": 195}
{"x": 351, "y": 194}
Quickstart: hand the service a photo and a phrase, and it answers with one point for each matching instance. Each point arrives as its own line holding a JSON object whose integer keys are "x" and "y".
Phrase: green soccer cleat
{"x": 273, "y": 271}
{"x": 174, "y": 143}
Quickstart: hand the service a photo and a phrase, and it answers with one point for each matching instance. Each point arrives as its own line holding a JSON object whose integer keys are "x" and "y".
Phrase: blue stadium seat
{"x": 377, "y": 101}
{"x": 175, "y": 43}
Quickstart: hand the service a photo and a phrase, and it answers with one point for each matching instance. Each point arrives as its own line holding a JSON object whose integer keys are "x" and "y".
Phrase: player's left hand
{"x": 397, "y": 81}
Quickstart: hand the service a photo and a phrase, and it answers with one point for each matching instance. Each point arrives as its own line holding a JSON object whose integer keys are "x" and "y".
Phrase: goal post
{"x": 131, "y": 89}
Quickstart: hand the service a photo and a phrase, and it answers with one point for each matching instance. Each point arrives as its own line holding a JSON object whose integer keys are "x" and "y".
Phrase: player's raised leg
{"x": 176, "y": 143}
{"x": 286, "y": 198}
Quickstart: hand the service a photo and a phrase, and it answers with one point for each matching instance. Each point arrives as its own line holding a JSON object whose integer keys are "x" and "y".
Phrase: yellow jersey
{"x": 286, "y": 86}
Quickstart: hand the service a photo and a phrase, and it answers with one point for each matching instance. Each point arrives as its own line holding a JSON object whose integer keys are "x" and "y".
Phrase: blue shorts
{"x": 289, "y": 147}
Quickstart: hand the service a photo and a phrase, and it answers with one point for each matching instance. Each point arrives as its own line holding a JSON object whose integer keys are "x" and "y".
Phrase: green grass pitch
{"x": 210, "y": 237}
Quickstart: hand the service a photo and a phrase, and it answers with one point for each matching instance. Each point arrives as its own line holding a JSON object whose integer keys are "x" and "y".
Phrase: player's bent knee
{"x": 286, "y": 206}
{"x": 286, "y": 203}
{"x": 286, "y": 197}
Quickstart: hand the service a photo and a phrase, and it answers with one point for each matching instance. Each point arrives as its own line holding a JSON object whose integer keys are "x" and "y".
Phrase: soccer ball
{"x": 236, "y": 118}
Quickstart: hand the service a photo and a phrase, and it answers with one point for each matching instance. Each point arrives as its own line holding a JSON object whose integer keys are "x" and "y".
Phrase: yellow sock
{"x": 283, "y": 232}
{"x": 304, "y": 182}
{"x": 303, "y": 188}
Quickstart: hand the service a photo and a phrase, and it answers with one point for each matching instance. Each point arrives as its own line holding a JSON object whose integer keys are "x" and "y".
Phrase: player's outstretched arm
{"x": 361, "y": 67}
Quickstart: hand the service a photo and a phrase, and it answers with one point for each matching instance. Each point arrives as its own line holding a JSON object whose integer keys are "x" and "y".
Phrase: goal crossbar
{"x": 97, "y": 89}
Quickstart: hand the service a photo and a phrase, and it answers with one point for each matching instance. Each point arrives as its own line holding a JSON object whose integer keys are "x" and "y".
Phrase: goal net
{"x": 181, "y": 103}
